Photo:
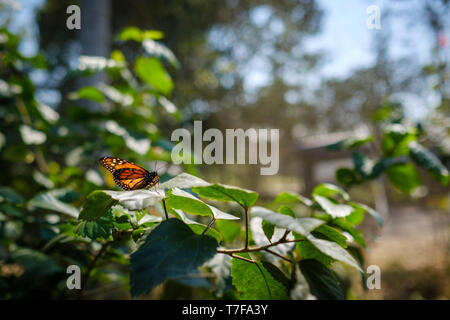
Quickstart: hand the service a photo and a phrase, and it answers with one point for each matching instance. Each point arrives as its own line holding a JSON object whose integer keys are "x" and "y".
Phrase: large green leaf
{"x": 309, "y": 251}
{"x": 179, "y": 199}
{"x": 300, "y": 225}
{"x": 322, "y": 281}
{"x": 171, "y": 250}
{"x": 428, "y": 160}
{"x": 404, "y": 176}
{"x": 334, "y": 251}
{"x": 332, "y": 234}
{"x": 49, "y": 200}
{"x": 152, "y": 71}
{"x": 246, "y": 198}
{"x": 254, "y": 282}
{"x": 97, "y": 204}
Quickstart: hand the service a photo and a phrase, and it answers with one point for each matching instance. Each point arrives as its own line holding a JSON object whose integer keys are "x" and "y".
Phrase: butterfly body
{"x": 128, "y": 175}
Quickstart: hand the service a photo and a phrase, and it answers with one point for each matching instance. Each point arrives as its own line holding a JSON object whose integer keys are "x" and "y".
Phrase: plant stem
{"x": 242, "y": 258}
{"x": 209, "y": 225}
{"x": 277, "y": 254}
{"x": 264, "y": 247}
{"x": 246, "y": 228}
{"x": 91, "y": 267}
{"x": 165, "y": 208}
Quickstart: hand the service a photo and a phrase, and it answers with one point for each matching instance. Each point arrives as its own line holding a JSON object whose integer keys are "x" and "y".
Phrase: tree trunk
{"x": 95, "y": 37}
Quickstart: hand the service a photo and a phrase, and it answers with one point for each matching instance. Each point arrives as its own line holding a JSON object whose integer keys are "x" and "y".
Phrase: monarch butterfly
{"x": 128, "y": 175}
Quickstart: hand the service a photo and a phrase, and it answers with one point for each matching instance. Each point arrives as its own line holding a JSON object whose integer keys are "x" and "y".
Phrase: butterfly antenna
{"x": 163, "y": 165}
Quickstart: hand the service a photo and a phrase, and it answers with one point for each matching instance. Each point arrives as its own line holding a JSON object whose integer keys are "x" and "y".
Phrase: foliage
{"x": 402, "y": 153}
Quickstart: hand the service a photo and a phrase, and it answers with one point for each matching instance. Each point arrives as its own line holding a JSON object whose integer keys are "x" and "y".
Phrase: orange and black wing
{"x": 130, "y": 178}
{"x": 113, "y": 164}
{"x": 127, "y": 175}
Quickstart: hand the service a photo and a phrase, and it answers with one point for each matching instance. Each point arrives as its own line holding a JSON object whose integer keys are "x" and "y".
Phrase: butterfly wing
{"x": 126, "y": 174}
{"x": 112, "y": 164}
{"x": 130, "y": 178}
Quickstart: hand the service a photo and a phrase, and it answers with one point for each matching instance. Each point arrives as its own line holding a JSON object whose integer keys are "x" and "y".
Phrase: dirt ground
{"x": 412, "y": 251}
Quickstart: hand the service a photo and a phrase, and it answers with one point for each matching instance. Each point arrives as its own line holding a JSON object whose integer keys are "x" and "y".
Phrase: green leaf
{"x": 346, "y": 176}
{"x": 197, "y": 227}
{"x": 171, "y": 250}
{"x": 322, "y": 281}
{"x": 254, "y": 282}
{"x": 292, "y": 197}
{"x": 136, "y": 34}
{"x": 268, "y": 229}
{"x": 97, "y": 204}
{"x": 334, "y": 251}
{"x": 276, "y": 273}
{"x": 375, "y": 214}
{"x": 8, "y": 208}
{"x": 152, "y": 34}
{"x": 309, "y": 251}
{"x": 329, "y": 190}
{"x": 333, "y": 209}
{"x": 404, "y": 176}
{"x": 184, "y": 181}
{"x": 100, "y": 228}
{"x": 131, "y": 33}
{"x": 91, "y": 93}
{"x": 286, "y": 211}
{"x": 301, "y": 225}
{"x": 428, "y": 160}
{"x": 152, "y": 71}
{"x": 349, "y": 143}
{"x": 179, "y": 199}
{"x": 246, "y": 198}
{"x": 331, "y": 234}
{"x": 161, "y": 51}
{"x": 230, "y": 230}
{"x": 395, "y": 140}
{"x": 349, "y": 227}
{"x": 9, "y": 194}
{"x": 49, "y": 201}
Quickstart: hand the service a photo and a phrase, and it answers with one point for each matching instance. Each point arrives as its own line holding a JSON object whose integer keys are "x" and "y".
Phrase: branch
{"x": 264, "y": 247}
{"x": 246, "y": 228}
{"x": 165, "y": 209}
{"x": 209, "y": 225}
{"x": 91, "y": 267}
